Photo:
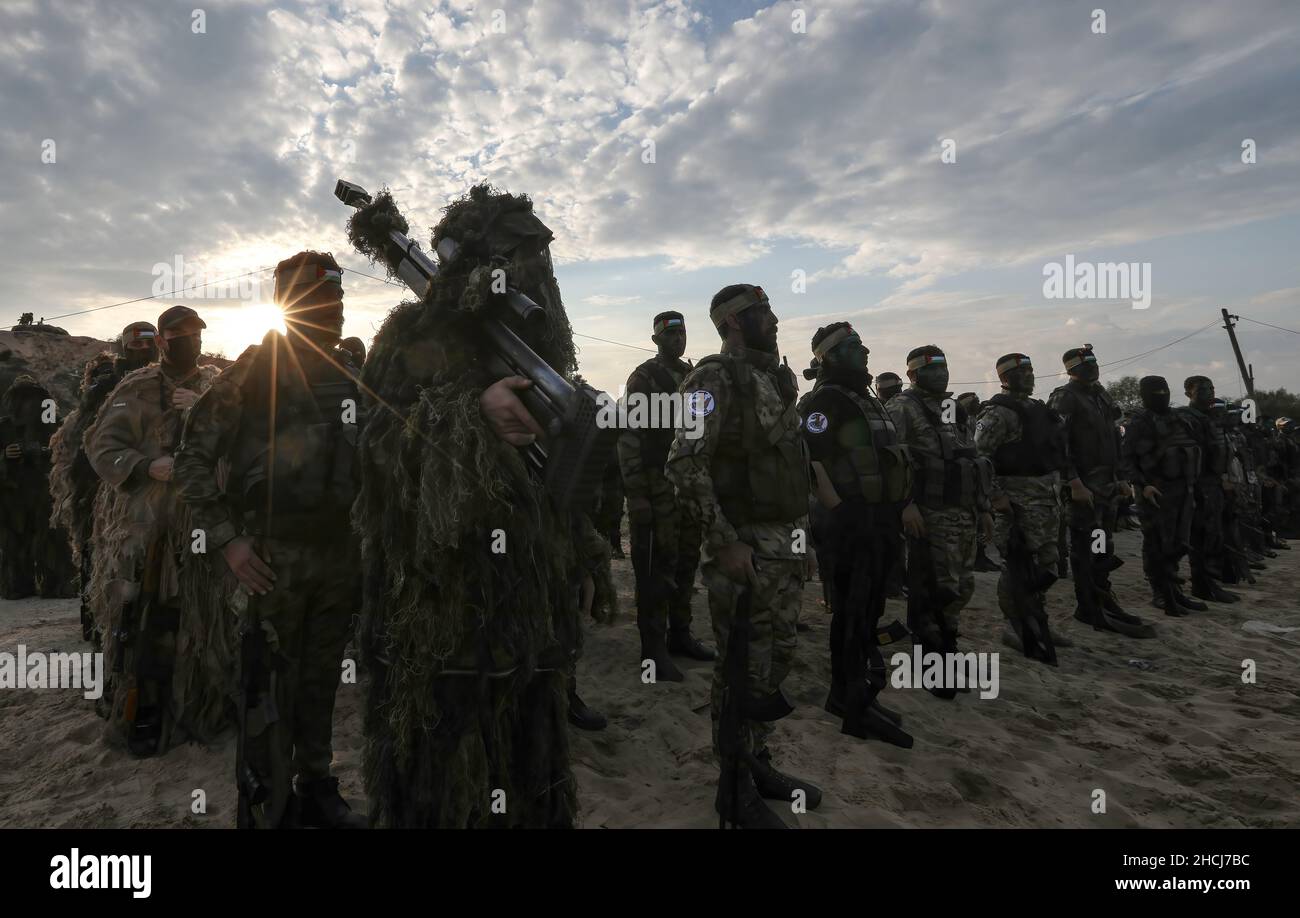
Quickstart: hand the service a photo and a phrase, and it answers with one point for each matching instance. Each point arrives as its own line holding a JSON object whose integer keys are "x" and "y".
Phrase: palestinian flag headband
{"x": 836, "y": 337}
{"x": 671, "y": 322}
{"x": 1086, "y": 356}
{"x": 296, "y": 281}
{"x": 925, "y": 360}
{"x": 737, "y": 304}
{"x": 1012, "y": 363}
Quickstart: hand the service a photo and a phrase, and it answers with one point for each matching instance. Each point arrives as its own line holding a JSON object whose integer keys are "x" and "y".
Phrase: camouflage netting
{"x": 204, "y": 647}
{"x": 73, "y": 484}
{"x": 437, "y": 486}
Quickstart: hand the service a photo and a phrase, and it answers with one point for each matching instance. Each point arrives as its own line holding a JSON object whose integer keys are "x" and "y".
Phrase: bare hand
{"x": 913, "y": 522}
{"x": 1079, "y": 492}
{"x": 184, "y": 398}
{"x": 506, "y": 414}
{"x": 254, "y": 574}
{"x": 1001, "y": 503}
{"x": 1152, "y": 493}
{"x": 13, "y": 451}
{"x": 736, "y": 561}
{"x": 161, "y": 468}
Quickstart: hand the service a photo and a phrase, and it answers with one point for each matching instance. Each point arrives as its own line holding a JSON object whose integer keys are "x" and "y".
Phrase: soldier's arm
{"x": 636, "y": 484}
{"x": 991, "y": 431}
{"x": 690, "y": 461}
{"x": 1133, "y": 451}
{"x": 113, "y": 443}
{"x": 1062, "y": 404}
{"x": 207, "y": 436}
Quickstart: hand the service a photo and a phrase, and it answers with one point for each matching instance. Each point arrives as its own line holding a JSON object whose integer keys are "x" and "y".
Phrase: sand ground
{"x": 1175, "y": 739}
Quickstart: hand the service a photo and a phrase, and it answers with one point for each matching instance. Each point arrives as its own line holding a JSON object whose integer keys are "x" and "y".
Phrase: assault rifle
{"x": 571, "y": 456}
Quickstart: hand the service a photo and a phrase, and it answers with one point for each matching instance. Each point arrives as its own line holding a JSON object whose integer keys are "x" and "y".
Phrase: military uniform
{"x": 292, "y": 491}
{"x": 33, "y": 557}
{"x": 1023, "y": 439}
{"x": 1207, "y": 537}
{"x": 665, "y": 541}
{"x": 950, "y": 489}
{"x": 852, "y": 437}
{"x": 745, "y": 479}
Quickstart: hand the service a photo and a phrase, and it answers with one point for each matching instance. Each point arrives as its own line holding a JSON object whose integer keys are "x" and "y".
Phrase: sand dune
{"x": 1176, "y": 740}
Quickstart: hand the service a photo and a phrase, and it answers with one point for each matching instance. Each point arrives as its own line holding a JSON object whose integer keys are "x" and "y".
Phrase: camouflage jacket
{"x": 921, "y": 437}
{"x": 722, "y": 403}
{"x": 642, "y": 478}
{"x": 999, "y": 425}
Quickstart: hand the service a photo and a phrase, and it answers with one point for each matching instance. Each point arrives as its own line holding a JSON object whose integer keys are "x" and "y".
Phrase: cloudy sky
{"x": 800, "y": 146}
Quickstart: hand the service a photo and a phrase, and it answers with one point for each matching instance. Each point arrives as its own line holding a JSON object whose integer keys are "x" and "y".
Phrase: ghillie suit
{"x": 33, "y": 558}
{"x": 173, "y": 673}
{"x": 73, "y": 483}
{"x": 472, "y": 577}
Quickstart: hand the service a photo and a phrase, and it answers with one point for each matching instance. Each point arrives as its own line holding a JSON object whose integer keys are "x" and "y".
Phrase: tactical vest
{"x": 1041, "y": 447}
{"x": 1090, "y": 431}
{"x": 955, "y": 478}
{"x": 315, "y": 477}
{"x": 1214, "y": 449}
{"x": 880, "y": 473}
{"x": 657, "y": 441}
{"x": 1177, "y": 455}
{"x": 762, "y": 477}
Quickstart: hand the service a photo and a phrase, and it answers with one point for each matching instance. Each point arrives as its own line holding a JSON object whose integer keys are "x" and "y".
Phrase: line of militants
{"x": 235, "y": 530}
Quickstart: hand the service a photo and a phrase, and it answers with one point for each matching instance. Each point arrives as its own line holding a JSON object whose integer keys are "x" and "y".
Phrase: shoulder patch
{"x": 817, "y": 422}
{"x": 700, "y": 403}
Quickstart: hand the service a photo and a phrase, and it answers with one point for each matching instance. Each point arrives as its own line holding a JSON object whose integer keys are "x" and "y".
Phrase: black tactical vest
{"x": 762, "y": 475}
{"x": 1041, "y": 447}
{"x": 1176, "y": 455}
{"x": 657, "y": 441}
{"x": 313, "y": 448}
{"x": 955, "y": 478}
{"x": 879, "y": 472}
{"x": 1214, "y": 443}
{"x": 1090, "y": 430}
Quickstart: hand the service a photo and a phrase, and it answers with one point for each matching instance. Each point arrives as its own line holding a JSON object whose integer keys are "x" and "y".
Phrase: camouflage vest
{"x": 762, "y": 475}
{"x": 956, "y": 477}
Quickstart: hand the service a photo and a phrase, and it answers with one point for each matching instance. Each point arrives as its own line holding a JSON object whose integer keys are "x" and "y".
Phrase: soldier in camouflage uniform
{"x": 1212, "y": 486}
{"x": 33, "y": 557}
{"x": 1023, "y": 439}
{"x": 745, "y": 482}
{"x": 284, "y": 416}
{"x": 1092, "y": 448}
{"x": 949, "y": 501}
{"x": 971, "y": 404}
{"x": 665, "y": 541}
{"x": 888, "y": 385}
{"x": 863, "y": 479}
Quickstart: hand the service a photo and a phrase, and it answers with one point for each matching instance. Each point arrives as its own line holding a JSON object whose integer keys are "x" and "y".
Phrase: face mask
{"x": 183, "y": 353}
{"x": 1156, "y": 401}
{"x": 933, "y": 377}
{"x": 135, "y": 358}
{"x": 1087, "y": 372}
{"x": 1021, "y": 381}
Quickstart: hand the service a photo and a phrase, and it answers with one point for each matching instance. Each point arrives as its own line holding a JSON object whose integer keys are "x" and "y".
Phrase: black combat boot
{"x": 1164, "y": 597}
{"x": 1187, "y": 601}
{"x": 321, "y": 807}
{"x": 741, "y": 806}
{"x": 684, "y": 644}
{"x": 581, "y": 716}
{"x": 616, "y": 544}
{"x": 982, "y": 562}
{"x": 654, "y": 648}
{"x": 775, "y": 785}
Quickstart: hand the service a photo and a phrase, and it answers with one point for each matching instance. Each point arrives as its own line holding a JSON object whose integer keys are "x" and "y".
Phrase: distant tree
{"x": 26, "y": 319}
{"x": 1277, "y": 403}
{"x": 1125, "y": 394}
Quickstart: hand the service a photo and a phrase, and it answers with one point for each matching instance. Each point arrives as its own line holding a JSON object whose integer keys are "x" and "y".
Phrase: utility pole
{"x": 1247, "y": 374}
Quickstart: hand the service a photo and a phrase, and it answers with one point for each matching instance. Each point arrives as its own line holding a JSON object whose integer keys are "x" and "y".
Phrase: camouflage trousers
{"x": 773, "y": 612}
{"x": 307, "y": 619}
{"x": 1166, "y": 532}
{"x": 1037, "y": 503}
{"x": 950, "y": 533}
{"x": 665, "y": 555}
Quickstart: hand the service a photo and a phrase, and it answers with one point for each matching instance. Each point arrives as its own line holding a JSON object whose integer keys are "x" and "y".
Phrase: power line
{"x": 1266, "y": 325}
{"x": 154, "y": 296}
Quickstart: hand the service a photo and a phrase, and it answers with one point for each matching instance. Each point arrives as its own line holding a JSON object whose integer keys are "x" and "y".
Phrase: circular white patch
{"x": 700, "y": 403}
{"x": 817, "y": 422}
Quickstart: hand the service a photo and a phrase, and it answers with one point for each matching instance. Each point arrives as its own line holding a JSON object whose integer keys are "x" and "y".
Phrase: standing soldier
{"x": 1025, "y": 441}
{"x": 141, "y": 534}
{"x": 887, "y": 386}
{"x": 284, "y": 416}
{"x": 1162, "y": 460}
{"x": 862, "y": 479}
{"x": 745, "y": 482}
{"x": 73, "y": 482}
{"x": 1092, "y": 453}
{"x": 971, "y": 404}
{"x": 1212, "y": 485}
{"x": 665, "y": 541}
{"x": 608, "y": 515}
{"x": 33, "y": 557}
{"x": 949, "y": 500}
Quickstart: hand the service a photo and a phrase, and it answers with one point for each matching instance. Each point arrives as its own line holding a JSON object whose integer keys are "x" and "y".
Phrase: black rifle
{"x": 572, "y": 454}
{"x": 738, "y": 706}
{"x": 252, "y": 658}
{"x": 1027, "y": 581}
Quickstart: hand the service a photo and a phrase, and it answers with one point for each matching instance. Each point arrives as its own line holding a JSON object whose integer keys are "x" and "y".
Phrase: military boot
{"x": 321, "y": 807}
{"x": 655, "y": 649}
{"x": 581, "y": 716}
{"x": 740, "y": 805}
{"x": 1162, "y": 597}
{"x": 775, "y": 785}
{"x": 684, "y": 644}
{"x": 1187, "y": 602}
{"x": 983, "y": 563}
